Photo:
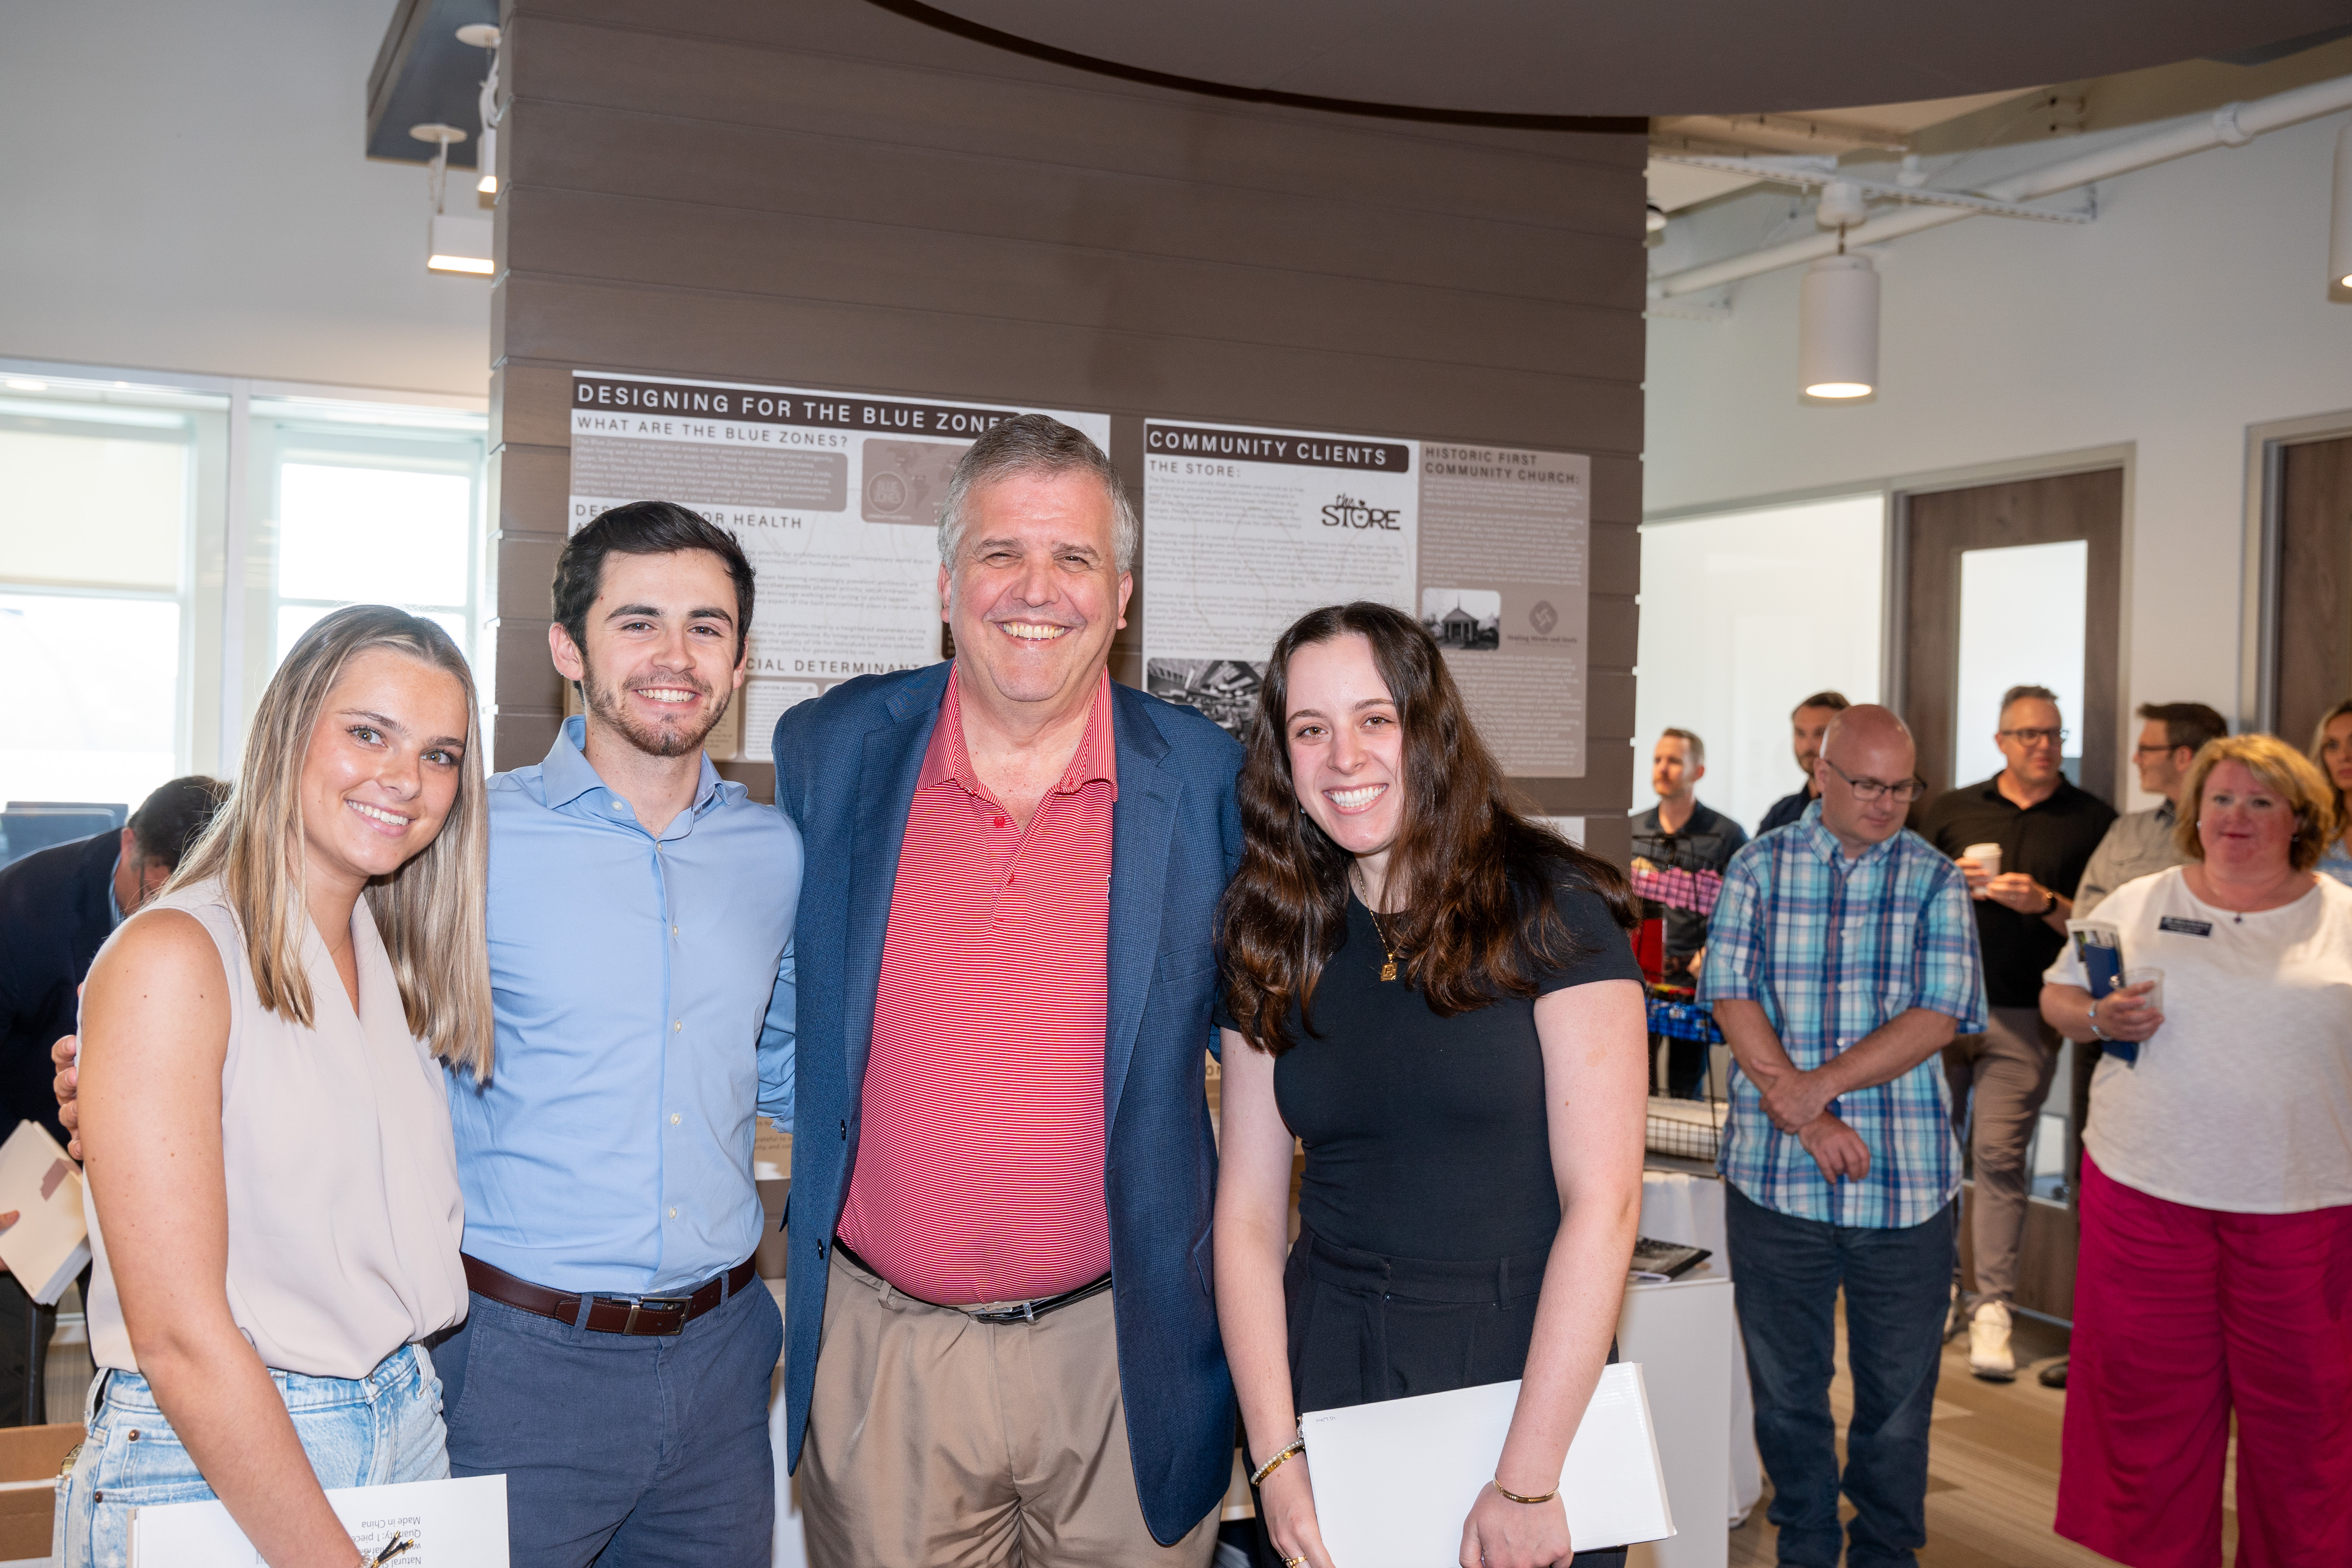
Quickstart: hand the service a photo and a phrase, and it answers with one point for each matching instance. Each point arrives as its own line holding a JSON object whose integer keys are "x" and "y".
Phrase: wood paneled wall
{"x": 828, "y": 193}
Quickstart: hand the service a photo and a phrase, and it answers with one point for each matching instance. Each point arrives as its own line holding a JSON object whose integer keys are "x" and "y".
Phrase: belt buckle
{"x": 679, "y": 1304}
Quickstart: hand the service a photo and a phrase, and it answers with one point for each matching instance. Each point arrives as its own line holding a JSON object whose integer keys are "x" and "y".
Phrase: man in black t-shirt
{"x": 1679, "y": 833}
{"x": 1807, "y": 724}
{"x": 2046, "y": 829}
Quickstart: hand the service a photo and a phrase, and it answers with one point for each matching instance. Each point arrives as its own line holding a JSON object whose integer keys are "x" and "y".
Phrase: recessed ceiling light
{"x": 25, "y": 383}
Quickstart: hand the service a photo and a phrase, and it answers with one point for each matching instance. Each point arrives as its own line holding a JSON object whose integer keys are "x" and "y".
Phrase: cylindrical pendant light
{"x": 1837, "y": 328}
{"x": 2339, "y": 219}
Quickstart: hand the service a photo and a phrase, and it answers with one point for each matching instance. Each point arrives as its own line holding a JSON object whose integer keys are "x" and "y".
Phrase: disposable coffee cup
{"x": 1987, "y": 856}
{"x": 2142, "y": 973}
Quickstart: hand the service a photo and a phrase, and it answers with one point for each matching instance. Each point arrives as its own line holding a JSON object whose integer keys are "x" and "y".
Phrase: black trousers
{"x": 16, "y": 1330}
{"x": 1365, "y": 1327}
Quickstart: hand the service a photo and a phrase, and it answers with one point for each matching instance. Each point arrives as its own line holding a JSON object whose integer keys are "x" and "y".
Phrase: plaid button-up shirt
{"x": 1832, "y": 948}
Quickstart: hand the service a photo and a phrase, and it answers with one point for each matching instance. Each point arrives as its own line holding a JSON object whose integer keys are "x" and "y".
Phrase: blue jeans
{"x": 358, "y": 1432}
{"x": 1898, "y": 1289}
{"x": 623, "y": 1450}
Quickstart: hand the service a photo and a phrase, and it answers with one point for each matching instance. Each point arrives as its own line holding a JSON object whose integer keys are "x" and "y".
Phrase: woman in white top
{"x": 2214, "y": 1275}
{"x": 275, "y": 1213}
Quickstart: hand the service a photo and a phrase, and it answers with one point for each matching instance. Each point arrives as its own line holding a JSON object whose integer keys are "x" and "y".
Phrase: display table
{"x": 1687, "y": 1207}
{"x": 1680, "y": 1331}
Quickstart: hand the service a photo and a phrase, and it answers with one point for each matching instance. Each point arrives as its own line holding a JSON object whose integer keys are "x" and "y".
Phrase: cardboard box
{"x": 31, "y": 1458}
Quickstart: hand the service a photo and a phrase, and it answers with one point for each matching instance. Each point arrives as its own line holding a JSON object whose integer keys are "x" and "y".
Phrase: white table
{"x": 1686, "y": 1208}
{"x": 1681, "y": 1334}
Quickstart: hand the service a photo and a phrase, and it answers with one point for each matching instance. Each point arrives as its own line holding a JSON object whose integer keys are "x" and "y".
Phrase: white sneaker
{"x": 1989, "y": 1354}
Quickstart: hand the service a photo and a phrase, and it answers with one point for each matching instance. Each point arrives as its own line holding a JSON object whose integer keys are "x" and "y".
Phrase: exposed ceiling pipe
{"x": 2232, "y": 125}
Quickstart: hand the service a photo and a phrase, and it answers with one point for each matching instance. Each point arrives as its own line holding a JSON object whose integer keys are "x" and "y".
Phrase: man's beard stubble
{"x": 672, "y": 740}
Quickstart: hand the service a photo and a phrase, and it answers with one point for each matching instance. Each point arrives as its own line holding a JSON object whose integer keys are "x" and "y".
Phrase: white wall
{"x": 185, "y": 189}
{"x": 2194, "y": 307}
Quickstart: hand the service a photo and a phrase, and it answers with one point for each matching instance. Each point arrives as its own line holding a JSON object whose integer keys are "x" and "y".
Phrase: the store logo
{"x": 1543, "y": 617}
{"x": 1349, "y": 512}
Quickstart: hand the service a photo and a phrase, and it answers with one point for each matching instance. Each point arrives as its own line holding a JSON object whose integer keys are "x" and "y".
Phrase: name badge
{"x": 2185, "y": 927}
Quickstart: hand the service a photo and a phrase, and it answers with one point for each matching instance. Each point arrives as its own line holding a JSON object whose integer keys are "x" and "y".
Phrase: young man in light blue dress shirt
{"x": 614, "y": 1366}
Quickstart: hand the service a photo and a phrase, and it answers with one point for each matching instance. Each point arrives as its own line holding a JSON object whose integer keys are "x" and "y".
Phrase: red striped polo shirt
{"x": 979, "y": 1166}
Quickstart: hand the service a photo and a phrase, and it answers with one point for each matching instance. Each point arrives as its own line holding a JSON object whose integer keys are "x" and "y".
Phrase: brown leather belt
{"x": 661, "y": 1315}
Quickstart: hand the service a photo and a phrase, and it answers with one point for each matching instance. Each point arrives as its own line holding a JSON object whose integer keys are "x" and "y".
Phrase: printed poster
{"x": 1505, "y": 553}
{"x": 1248, "y": 528}
{"x": 835, "y": 497}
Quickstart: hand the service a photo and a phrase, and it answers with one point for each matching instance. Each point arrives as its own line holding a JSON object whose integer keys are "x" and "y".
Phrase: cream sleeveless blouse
{"x": 345, "y": 1214}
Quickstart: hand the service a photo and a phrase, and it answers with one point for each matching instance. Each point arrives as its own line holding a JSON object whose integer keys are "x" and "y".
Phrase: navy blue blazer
{"x": 845, "y": 771}
{"x": 55, "y": 915}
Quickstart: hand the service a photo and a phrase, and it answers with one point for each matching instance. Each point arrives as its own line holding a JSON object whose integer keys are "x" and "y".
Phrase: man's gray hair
{"x": 1036, "y": 444}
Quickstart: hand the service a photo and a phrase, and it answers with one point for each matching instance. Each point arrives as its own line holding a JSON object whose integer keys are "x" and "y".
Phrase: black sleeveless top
{"x": 1427, "y": 1137}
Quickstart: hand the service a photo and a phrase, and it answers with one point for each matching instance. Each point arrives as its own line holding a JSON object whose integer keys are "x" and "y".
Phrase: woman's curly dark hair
{"x": 1476, "y": 878}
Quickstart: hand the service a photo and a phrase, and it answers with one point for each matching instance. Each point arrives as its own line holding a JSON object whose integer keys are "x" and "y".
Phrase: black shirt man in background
{"x": 1807, "y": 724}
{"x": 2046, "y": 828}
{"x": 1679, "y": 833}
{"x": 57, "y": 907}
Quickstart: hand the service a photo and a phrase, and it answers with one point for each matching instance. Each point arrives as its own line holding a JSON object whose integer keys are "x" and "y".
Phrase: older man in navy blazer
{"x": 1000, "y": 1341}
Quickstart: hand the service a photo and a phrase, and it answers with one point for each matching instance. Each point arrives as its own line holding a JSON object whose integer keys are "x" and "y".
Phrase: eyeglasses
{"x": 1867, "y": 790}
{"x": 2040, "y": 737}
{"x": 2138, "y": 752}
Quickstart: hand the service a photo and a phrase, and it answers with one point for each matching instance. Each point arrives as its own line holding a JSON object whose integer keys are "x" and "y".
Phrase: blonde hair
{"x": 2281, "y": 768}
{"x": 2318, "y": 741}
{"x": 430, "y": 912}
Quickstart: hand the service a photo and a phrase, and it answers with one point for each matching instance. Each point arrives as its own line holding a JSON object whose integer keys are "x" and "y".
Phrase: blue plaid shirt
{"x": 1834, "y": 948}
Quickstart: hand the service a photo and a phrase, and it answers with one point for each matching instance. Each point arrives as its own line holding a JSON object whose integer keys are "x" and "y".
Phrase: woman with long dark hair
{"x": 1437, "y": 996}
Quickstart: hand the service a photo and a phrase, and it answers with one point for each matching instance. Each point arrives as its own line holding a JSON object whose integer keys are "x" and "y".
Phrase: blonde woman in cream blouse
{"x": 275, "y": 1212}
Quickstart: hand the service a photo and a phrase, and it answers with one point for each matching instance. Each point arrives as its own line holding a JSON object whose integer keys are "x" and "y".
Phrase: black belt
{"x": 1019, "y": 1313}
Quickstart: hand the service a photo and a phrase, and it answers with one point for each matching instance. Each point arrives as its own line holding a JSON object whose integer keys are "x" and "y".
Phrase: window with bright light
{"x": 1744, "y": 614}
{"x": 2022, "y": 623}
{"x": 158, "y": 556}
{"x": 376, "y": 518}
{"x": 96, "y": 508}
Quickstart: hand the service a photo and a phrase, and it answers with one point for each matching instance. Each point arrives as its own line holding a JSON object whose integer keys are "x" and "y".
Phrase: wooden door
{"x": 1939, "y": 525}
{"x": 2311, "y": 640}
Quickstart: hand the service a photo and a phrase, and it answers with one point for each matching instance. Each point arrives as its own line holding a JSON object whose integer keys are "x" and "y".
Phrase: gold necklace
{"x": 1388, "y": 970}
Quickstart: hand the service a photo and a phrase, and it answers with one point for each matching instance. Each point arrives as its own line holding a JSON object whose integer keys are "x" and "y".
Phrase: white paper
{"x": 1394, "y": 1481}
{"x": 833, "y": 496}
{"x": 458, "y": 1523}
{"x": 51, "y": 1240}
{"x": 1245, "y": 530}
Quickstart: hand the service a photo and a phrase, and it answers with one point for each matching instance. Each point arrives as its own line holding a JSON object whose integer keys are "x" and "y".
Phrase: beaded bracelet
{"x": 1297, "y": 1445}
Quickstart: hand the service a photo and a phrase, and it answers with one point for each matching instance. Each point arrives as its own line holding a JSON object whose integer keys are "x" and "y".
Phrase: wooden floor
{"x": 1992, "y": 1468}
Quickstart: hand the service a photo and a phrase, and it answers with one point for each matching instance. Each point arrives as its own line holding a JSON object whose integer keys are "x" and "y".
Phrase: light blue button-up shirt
{"x": 645, "y": 990}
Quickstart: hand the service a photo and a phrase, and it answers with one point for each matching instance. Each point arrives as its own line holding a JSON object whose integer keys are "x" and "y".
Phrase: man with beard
{"x": 615, "y": 1361}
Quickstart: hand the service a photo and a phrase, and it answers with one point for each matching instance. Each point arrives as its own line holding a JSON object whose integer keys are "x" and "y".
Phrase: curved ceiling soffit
{"x": 1580, "y": 63}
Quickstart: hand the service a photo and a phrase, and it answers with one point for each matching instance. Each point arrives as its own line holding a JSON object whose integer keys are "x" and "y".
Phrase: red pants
{"x": 2183, "y": 1316}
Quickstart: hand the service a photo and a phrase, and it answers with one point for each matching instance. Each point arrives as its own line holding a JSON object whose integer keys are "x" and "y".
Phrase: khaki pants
{"x": 937, "y": 1442}
{"x": 1998, "y": 1080}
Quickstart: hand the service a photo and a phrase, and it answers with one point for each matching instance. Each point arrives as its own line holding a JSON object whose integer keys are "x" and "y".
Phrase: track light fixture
{"x": 482, "y": 36}
{"x": 452, "y": 243}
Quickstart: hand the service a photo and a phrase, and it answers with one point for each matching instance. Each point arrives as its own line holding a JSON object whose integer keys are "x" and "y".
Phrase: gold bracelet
{"x": 1297, "y": 1445}
{"x": 1514, "y": 1497}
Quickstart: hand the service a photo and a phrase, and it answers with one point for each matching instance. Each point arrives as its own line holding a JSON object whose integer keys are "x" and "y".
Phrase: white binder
{"x": 1394, "y": 1481}
{"x": 456, "y": 1523}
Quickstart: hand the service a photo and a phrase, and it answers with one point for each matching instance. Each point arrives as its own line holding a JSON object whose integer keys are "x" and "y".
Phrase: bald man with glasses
{"x": 2047, "y": 829}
